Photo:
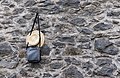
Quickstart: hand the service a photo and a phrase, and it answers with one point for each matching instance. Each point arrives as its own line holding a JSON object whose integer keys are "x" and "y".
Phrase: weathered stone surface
{"x": 101, "y": 44}
{"x": 112, "y": 50}
{"x": 107, "y": 70}
{"x": 30, "y": 3}
{"x": 66, "y": 39}
{"x": 72, "y": 51}
{"x": 85, "y": 45}
{"x": 47, "y": 75}
{"x": 72, "y": 72}
{"x": 70, "y": 3}
{"x": 87, "y": 66}
{"x": 45, "y": 50}
{"x": 113, "y": 13}
{"x": 9, "y": 65}
{"x": 28, "y": 16}
{"x": 84, "y": 39}
{"x": 18, "y": 11}
{"x": 72, "y": 61}
{"x": 13, "y": 75}
{"x": 87, "y": 31}
{"x": 56, "y": 65}
{"x": 102, "y": 26}
{"x": 21, "y": 21}
{"x": 5, "y": 48}
{"x": 103, "y": 62}
{"x": 58, "y": 44}
{"x": 78, "y": 21}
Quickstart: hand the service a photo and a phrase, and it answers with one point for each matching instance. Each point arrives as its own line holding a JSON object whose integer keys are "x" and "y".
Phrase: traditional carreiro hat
{"x": 33, "y": 39}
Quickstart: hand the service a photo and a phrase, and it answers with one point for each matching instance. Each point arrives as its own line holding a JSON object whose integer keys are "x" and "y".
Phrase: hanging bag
{"x": 33, "y": 41}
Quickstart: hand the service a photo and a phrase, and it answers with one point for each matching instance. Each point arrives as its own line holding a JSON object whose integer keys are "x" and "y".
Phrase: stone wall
{"x": 82, "y": 38}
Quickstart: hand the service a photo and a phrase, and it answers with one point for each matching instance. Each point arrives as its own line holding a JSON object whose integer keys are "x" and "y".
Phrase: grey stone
{"x": 45, "y": 50}
{"x": 85, "y": 45}
{"x": 117, "y": 43}
{"x": 72, "y": 61}
{"x": 58, "y": 44}
{"x": 33, "y": 9}
{"x": 18, "y": 11}
{"x": 103, "y": 62}
{"x": 47, "y": 75}
{"x": 101, "y": 44}
{"x": 78, "y": 21}
{"x": 113, "y": 13}
{"x": 21, "y": 21}
{"x": 5, "y": 48}
{"x": 23, "y": 72}
{"x": 87, "y": 65}
{"x": 18, "y": 1}
{"x": 2, "y": 38}
{"x": 56, "y": 65}
{"x": 87, "y": 31}
{"x": 28, "y": 16}
{"x": 13, "y": 75}
{"x": 30, "y": 3}
{"x": 72, "y": 51}
{"x": 84, "y": 39}
{"x": 102, "y": 26}
{"x": 5, "y": 2}
{"x": 7, "y": 64}
{"x": 6, "y": 21}
{"x": 112, "y": 50}
{"x": 12, "y": 65}
{"x": 72, "y": 72}
{"x": 66, "y": 39}
{"x": 107, "y": 70}
{"x": 71, "y": 3}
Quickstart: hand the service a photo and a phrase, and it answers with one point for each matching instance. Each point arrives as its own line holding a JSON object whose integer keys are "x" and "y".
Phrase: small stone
{"x": 47, "y": 75}
{"x": 103, "y": 62}
{"x": 66, "y": 39}
{"x": 30, "y": 3}
{"x": 117, "y": 43}
{"x": 23, "y": 72}
{"x": 13, "y": 75}
{"x": 56, "y": 65}
{"x": 87, "y": 65}
{"x": 87, "y": 31}
{"x": 12, "y": 65}
{"x": 2, "y": 38}
{"x": 45, "y": 50}
{"x": 72, "y": 51}
{"x": 21, "y": 21}
{"x": 102, "y": 26}
{"x": 72, "y": 61}
{"x": 101, "y": 44}
{"x": 84, "y": 39}
{"x": 78, "y": 21}
{"x": 112, "y": 50}
{"x": 72, "y": 72}
{"x": 18, "y": 11}
{"x": 71, "y": 3}
{"x": 113, "y": 13}
{"x": 85, "y": 46}
{"x": 33, "y": 9}
{"x": 18, "y": 1}
{"x": 28, "y": 16}
{"x": 107, "y": 70}
{"x": 58, "y": 44}
{"x": 5, "y": 48}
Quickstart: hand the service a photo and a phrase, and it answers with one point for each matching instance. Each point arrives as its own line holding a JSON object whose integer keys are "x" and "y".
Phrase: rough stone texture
{"x": 82, "y": 38}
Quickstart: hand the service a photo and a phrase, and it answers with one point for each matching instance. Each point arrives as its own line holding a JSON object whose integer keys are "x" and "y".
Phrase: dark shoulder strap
{"x": 39, "y": 30}
{"x": 34, "y": 22}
